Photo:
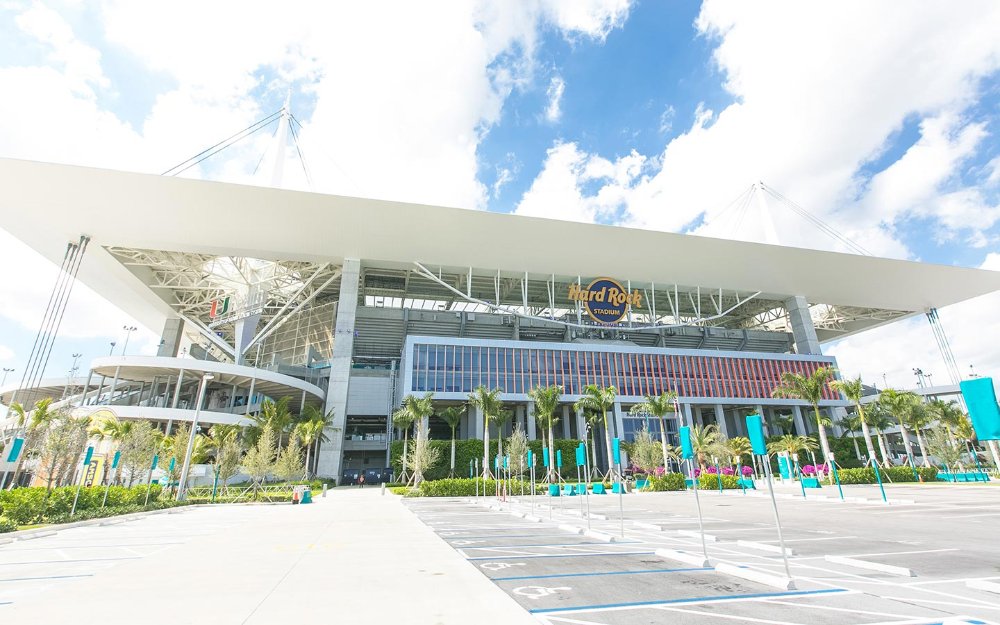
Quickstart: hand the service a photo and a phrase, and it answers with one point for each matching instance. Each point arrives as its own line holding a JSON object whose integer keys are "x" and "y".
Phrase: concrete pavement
{"x": 355, "y": 556}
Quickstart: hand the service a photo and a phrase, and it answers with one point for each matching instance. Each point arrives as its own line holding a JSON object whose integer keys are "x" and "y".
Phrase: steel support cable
{"x": 80, "y": 251}
{"x": 264, "y": 153}
{"x": 249, "y": 130}
{"x": 360, "y": 189}
{"x": 302, "y": 159}
{"x": 739, "y": 199}
{"x": 816, "y": 221}
{"x": 48, "y": 322}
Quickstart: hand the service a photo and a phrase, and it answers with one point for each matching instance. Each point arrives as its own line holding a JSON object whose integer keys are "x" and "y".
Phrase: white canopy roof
{"x": 47, "y": 205}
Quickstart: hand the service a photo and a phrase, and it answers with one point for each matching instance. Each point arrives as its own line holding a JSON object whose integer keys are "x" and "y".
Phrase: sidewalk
{"x": 354, "y": 557}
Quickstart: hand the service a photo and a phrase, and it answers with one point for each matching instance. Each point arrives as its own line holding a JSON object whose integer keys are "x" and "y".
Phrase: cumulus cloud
{"x": 554, "y": 93}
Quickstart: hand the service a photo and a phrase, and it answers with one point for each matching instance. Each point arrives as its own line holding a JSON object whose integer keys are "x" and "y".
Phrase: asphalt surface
{"x": 946, "y": 535}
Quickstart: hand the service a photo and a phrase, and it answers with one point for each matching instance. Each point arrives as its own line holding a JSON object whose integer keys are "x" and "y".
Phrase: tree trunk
{"x": 923, "y": 450}
{"x": 406, "y": 449}
{"x": 857, "y": 450}
{"x": 868, "y": 441}
{"x": 823, "y": 442}
{"x": 452, "y": 474}
{"x": 308, "y": 458}
{"x": 995, "y": 451}
{"x": 883, "y": 446}
{"x": 907, "y": 445}
{"x": 552, "y": 457}
{"x": 663, "y": 442}
{"x": 486, "y": 448}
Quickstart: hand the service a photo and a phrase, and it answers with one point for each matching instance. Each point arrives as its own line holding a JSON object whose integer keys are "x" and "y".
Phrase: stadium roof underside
{"x": 165, "y": 246}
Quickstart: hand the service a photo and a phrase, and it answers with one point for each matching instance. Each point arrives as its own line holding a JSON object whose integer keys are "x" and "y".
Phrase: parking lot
{"x": 944, "y": 536}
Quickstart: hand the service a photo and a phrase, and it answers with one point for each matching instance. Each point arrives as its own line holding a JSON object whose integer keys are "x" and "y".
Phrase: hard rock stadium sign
{"x": 605, "y": 299}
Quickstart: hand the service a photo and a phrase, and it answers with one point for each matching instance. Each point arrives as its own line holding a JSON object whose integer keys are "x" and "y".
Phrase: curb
{"x": 683, "y": 556}
{"x": 572, "y": 529}
{"x": 608, "y": 538}
{"x": 647, "y": 526}
{"x": 871, "y": 566}
{"x": 754, "y": 575}
{"x": 711, "y": 538}
{"x": 765, "y": 547}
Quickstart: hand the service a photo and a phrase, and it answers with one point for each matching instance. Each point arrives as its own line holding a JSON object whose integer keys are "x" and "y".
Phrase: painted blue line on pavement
{"x": 509, "y": 579}
{"x": 568, "y": 555}
{"x": 28, "y": 579}
{"x": 64, "y": 561}
{"x": 631, "y": 542}
{"x": 635, "y": 604}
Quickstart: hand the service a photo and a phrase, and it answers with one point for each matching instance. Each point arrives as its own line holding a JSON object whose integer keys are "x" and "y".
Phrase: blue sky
{"x": 648, "y": 114}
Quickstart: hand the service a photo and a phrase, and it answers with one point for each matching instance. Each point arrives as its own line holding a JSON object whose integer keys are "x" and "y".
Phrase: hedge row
{"x": 892, "y": 474}
{"x": 668, "y": 481}
{"x": 467, "y": 450}
{"x": 24, "y": 506}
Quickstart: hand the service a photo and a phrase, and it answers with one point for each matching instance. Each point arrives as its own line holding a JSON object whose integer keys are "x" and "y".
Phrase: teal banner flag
{"x": 117, "y": 458}
{"x": 87, "y": 457}
{"x": 156, "y": 461}
{"x": 981, "y": 399}
{"x": 616, "y": 450}
{"x": 755, "y": 430}
{"x": 15, "y": 449}
{"x": 559, "y": 458}
{"x": 686, "y": 451}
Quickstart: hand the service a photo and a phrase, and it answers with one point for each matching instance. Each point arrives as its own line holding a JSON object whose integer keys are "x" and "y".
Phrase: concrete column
{"x": 532, "y": 429}
{"x": 170, "y": 343}
{"x": 331, "y": 455}
{"x": 253, "y": 384}
{"x": 800, "y": 425}
{"x": 114, "y": 384}
{"x": 720, "y": 420}
{"x": 803, "y": 330}
{"x": 565, "y": 421}
{"x": 619, "y": 427}
{"x": 177, "y": 389}
{"x": 581, "y": 425}
{"x": 519, "y": 417}
{"x": 686, "y": 409}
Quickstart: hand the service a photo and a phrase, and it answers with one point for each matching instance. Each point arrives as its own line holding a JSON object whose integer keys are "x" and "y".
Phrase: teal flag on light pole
{"x": 531, "y": 459}
{"x": 981, "y": 399}
{"x": 87, "y": 457}
{"x": 755, "y": 430}
{"x": 558, "y": 458}
{"x": 15, "y": 449}
{"x": 687, "y": 452}
{"x": 173, "y": 462}
{"x": 114, "y": 462}
{"x": 156, "y": 461}
{"x": 616, "y": 449}
{"x": 545, "y": 457}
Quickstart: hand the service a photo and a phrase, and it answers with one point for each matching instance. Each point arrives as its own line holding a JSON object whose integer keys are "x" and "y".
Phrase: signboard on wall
{"x": 605, "y": 299}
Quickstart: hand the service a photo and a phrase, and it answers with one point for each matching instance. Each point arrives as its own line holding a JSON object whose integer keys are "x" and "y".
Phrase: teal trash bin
{"x": 307, "y": 495}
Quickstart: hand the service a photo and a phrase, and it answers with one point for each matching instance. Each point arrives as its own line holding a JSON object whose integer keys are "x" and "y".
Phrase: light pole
{"x": 72, "y": 374}
{"x": 182, "y": 487}
{"x": 972, "y": 372}
{"x": 128, "y": 332}
{"x": 6, "y": 371}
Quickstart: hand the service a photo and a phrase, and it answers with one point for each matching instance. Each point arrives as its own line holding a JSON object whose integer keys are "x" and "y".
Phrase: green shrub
{"x": 709, "y": 481}
{"x": 892, "y": 474}
{"x": 472, "y": 449}
{"x": 25, "y": 506}
{"x": 465, "y": 487}
{"x": 7, "y": 525}
{"x": 669, "y": 481}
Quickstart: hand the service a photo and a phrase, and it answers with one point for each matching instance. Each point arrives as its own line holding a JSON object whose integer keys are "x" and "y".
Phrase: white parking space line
{"x": 742, "y": 618}
{"x": 814, "y": 606}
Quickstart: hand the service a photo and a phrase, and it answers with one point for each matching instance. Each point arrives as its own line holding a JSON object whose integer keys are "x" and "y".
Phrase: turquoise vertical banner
{"x": 580, "y": 459}
{"x": 545, "y": 457}
{"x": 783, "y": 469}
{"x": 15, "y": 450}
{"x": 156, "y": 461}
{"x": 981, "y": 399}
{"x": 559, "y": 458}
{"x": 531, "y": 459}
{"x": 755, "y": 431}
{"x": 173, "y": 462}
{"x": 686, "y": 451}
{"x": 88, "y": 456}
{"x": 616, "y": 450}
{"x": 117, "y": 458}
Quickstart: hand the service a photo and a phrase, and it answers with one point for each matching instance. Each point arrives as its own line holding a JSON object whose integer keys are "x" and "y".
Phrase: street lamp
{"x": 182, "y": 487}
{"x": 72, "y": 374}
{"x": 128, "y": 332}
{"x": 6, "y": 371}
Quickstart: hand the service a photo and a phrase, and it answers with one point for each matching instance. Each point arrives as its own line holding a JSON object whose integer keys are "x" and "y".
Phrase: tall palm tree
{"x": 599, "y": 400}
{"x": 104, "y": 425}
{"x": 902, "y": 405}
{"x": 851, "y": 423}
{"x": 659, "y": 407}
{"x": 452, "y": 415}
{"x": 853, "y": 390}
{"x": 421, "y": 408}
{"x": 402, "y": 419}
{"x": 736, "y": 448}
{"x": 273, "y": 414}
{"x": 705, "y": 441}
{"x": 34, "y": 423}
{"x": 879, "y": 418}
{"x": 948, "y": 413}
{"x": 312, "y": 430}
{"x": 808, "y": 389}
{"x": 920, "y": 418}
{"x": 791, "y": 444}
{"x": 546, "y": 400}
{"x": 489, "y": 403}
{"x": 500, "y": 419}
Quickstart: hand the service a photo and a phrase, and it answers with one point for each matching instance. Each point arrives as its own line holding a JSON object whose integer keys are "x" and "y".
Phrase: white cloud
{"x": 81, "y": 63}
{"x": 554, "y": 93}
{"x": 6, "y": 353}
{"x": 667, "y": 119}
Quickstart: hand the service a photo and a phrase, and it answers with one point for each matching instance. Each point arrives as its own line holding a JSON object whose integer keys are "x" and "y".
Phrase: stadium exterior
{"x": 350, "y": 304}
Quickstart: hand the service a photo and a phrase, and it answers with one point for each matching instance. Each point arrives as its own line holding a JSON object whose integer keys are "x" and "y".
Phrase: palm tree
{"x": 705, "y": 442}
{"x": 879, "y": 418}
{"x": 500, "y": 419}
{"x": 273, "y": 414}
{"x": 452, "y": 415}
{"x": 599, "y": 400}
{"x": 850, "y": 424}
{"x": 35, "y": 423}
{"x": 948, "y": 414}
{"x": 853, "y": 390}
{"x": 659, "y": 407}
{"x": 104, "y": 425}
{"x": 902, "y": 405}
{"x": 420, "y": 409}
{"x": 737, "y": 448}
{"x": 489, "y": 403}
{"x": 808, "y": 389}
{"x": 402, "y": 419}
{"x": 546, "y": 400}
{"x": 921, "y": 418}
{"x": 314, "y": 433}
{"x": 791, "y": 444}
